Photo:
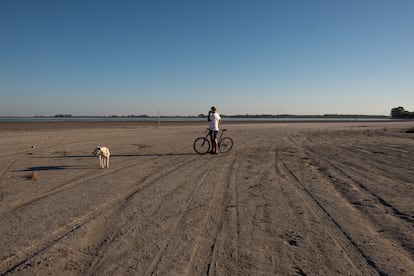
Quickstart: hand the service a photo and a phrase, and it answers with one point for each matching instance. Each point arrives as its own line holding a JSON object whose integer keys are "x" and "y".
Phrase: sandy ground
{"x": 288, "y": 199}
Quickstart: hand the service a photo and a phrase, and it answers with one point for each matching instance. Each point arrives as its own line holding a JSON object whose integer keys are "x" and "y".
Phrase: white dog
{"x": 103, "y": 155}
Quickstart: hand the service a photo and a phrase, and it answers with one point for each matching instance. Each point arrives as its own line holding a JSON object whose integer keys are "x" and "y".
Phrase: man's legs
{"x": 214, "y": 143}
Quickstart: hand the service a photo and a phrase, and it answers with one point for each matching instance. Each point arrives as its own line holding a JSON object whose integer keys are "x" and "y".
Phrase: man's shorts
{"x": 213, "y": 134}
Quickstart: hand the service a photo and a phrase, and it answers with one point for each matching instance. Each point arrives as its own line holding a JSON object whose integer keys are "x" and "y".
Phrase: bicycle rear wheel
{"x": 225, "y": 144}
{"x": 201, "y": 145}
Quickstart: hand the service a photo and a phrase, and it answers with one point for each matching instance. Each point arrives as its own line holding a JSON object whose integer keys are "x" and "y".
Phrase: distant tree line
{"x": 401, "y": 113}
{"x": 63, "y": 115}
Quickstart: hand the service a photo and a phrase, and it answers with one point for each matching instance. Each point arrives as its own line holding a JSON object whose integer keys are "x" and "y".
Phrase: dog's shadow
{"x": 53, "y": 168}
{"x": 133, "y": 155}
{"x": 154, "y": 154}
{"x": 70, "y": 167}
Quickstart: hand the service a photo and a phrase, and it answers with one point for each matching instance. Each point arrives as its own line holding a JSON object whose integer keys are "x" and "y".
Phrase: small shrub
{"x": 33, "y": 176}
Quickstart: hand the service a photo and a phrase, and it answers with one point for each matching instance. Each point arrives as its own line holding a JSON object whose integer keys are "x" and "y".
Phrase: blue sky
{"x": 181, "y": 57}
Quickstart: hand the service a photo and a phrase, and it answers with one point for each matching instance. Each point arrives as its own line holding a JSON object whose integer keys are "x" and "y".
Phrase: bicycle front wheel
{"x": 201, "y": 145}
{"x": 225, "y": 144}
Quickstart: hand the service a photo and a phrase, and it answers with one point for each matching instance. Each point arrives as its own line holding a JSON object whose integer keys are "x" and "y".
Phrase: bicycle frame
{"x": 221, "y": 132}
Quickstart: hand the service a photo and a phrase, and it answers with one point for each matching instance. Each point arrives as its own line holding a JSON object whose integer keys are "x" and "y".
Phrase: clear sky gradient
{"x": 181, "y": 57}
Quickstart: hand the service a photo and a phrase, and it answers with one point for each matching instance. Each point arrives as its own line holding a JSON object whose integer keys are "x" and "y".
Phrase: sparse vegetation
{"x": 33, "y": 176}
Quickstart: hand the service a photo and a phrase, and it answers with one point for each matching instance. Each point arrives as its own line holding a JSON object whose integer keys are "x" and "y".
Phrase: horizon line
{"x": 196, "y": 116}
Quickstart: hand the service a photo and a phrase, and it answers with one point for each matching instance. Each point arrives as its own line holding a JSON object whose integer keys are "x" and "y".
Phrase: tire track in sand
{"x": 334, "y": 229}
{"x": 23, "y": 255}
{"x": 343, "y": 177}
{"x": 228, "y": 229}
{"x": 162, "y": 248}
{"x": 352, "y": 228}
{"x": 71, "y": 183}
{"x": 129, "y": 224}
{"x": 192, "y": 244}
{"x": 3, "y": 174}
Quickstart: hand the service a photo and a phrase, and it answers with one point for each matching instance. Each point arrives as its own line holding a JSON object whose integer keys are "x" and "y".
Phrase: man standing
{"x": 214, "y": 119}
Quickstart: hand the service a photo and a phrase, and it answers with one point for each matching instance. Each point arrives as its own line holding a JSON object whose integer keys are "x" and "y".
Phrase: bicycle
{"x": 202, "y": 145}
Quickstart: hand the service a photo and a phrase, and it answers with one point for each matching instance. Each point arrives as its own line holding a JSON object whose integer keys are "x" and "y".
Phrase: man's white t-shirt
{"x": 214, "y": 121}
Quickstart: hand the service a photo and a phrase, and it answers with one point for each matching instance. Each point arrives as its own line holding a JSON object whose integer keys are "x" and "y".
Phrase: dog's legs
{"x": 107, "y": 162}
{"x": 100, "y": 162}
